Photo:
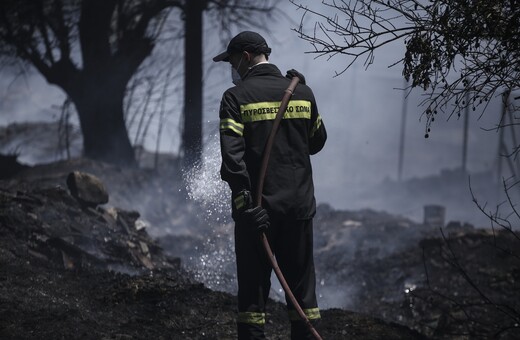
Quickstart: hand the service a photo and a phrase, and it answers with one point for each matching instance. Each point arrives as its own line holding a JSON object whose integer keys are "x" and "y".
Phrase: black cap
{"x": 245, "y": 41}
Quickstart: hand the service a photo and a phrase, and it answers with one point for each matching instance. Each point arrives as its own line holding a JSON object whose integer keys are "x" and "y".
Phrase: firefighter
{"x": 247, "y": 112}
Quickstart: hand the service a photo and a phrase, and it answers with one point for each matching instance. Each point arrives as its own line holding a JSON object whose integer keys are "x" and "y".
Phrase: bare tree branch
{"x": 477, "y": 41}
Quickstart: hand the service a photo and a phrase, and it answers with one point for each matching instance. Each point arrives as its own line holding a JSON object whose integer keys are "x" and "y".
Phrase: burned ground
{"x": 68, "y": 270}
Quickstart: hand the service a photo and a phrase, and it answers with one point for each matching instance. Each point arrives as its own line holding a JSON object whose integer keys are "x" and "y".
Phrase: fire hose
{"x": 258, "y": 202}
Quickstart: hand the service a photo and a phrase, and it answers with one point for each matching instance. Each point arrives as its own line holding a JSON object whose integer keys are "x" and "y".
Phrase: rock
{"x": 87, "y": 188}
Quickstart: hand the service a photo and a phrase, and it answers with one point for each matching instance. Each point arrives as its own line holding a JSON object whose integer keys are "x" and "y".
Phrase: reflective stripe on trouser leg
{"x": 310, "y": 313}
{"x": 294, "y": 252}
{"x": 251, "y": 318}
{"x": 299, "y": 329}
{"x": 250, "y": 325}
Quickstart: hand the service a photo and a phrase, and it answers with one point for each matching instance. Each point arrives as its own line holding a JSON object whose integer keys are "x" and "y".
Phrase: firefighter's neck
{"x": 252, "y": 62}
{"x": 257, "y": 60}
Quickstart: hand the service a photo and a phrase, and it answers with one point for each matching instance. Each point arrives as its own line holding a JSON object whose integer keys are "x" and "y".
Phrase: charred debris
{"x": 74, "y": 265}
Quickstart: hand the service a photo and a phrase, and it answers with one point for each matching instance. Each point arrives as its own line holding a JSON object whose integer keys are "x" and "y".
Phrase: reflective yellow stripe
{"x": 316, "y": 126}
{"x": 255, "y": 112}
{"x": 311, "y": 313}
{"x": 251, "y": 318}
{"x": 239, "y": 201}
{"x": 230, "y": 124}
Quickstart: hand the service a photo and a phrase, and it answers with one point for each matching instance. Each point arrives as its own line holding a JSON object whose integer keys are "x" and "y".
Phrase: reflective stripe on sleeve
{"x": 230, "y": 124}
{"x": 239, "y": 201}
{"x": 255, "y": 112}
{"x": 251, "y": 318}
{"x": 316, "y": 125}
{"x": 311, "y": 313}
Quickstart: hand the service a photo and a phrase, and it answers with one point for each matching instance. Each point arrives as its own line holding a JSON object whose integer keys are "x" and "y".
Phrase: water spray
{"x": 213, "y": 261}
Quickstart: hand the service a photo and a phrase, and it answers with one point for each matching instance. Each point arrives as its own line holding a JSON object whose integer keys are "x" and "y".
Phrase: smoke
{"x": 28, "y": 98}
{"x": 333, "y": 293}
{"x": 361, "y": 110}
{"x": 42, "y": 142}
{"x": 357, "y": 168}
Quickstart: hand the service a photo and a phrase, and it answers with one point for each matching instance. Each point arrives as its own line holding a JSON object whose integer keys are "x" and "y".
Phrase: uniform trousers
{"x": 292, "y": 243}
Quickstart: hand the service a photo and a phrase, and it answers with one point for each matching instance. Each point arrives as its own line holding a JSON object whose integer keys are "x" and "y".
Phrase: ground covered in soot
{"x": 71, "y": 268}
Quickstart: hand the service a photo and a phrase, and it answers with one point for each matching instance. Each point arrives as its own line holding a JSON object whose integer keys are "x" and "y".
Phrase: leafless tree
{"x": 92, "y": 49}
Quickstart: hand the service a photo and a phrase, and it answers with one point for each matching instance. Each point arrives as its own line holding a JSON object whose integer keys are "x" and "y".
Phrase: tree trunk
{"x": 192, "y": 134}
{"x": 100, "y": 108}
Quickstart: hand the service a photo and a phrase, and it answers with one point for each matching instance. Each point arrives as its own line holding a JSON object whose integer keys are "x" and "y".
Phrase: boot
{"x": 300, "y": 330}
{"x": 248, "y": 331}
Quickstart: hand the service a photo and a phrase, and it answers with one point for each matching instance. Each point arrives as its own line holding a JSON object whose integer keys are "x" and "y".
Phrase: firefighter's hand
{"x": 293, "y": 73}
{"x": 257, "y": 217}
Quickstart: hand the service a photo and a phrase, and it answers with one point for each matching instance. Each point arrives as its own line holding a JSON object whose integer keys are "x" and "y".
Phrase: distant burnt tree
{"x": 224, "y": 14}
{"x": 477, "y": 42}
{"x": 112, "y": 39}
{"x": 91, "y": 49}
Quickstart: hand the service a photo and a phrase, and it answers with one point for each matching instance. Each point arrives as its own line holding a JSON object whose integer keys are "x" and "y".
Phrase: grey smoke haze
{"x": 361, "y": 110}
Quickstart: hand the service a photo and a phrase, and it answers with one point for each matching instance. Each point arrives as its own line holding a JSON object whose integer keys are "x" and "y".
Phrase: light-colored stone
{"x": 87, "y": 188}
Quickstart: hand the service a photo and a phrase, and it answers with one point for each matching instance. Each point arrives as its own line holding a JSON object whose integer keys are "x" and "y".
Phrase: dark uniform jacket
{"x": 247, "y": 113}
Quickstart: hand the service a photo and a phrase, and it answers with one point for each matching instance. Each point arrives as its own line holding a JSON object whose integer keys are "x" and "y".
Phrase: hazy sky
{"x": 361, "y": 110}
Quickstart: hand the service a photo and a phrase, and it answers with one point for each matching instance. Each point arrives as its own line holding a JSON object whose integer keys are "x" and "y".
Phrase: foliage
{"x": 462, "y": 52}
